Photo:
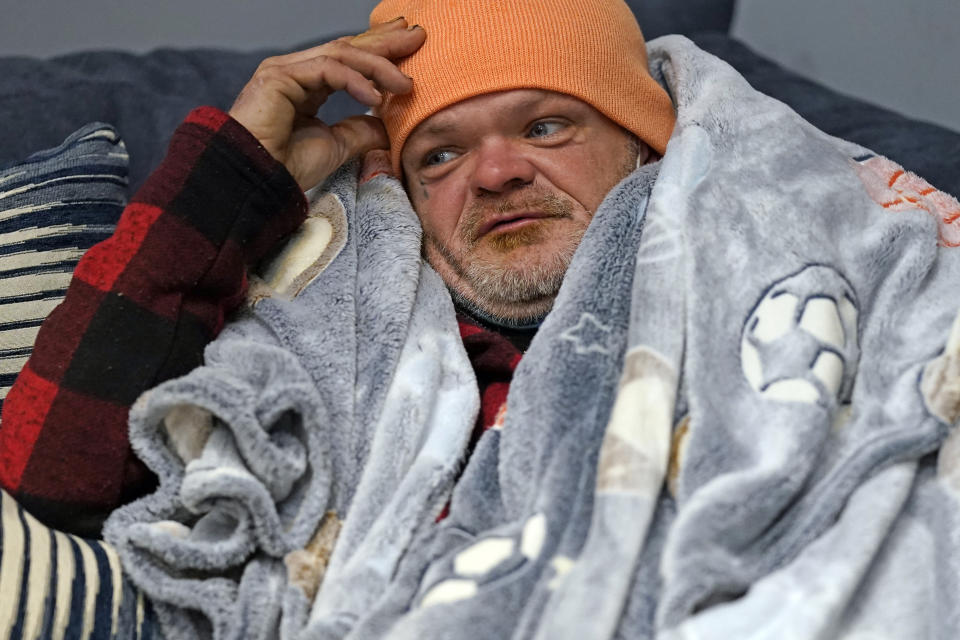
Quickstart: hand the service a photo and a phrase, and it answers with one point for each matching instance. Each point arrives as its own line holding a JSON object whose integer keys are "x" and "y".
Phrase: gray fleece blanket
{"x": 735, "y": 423}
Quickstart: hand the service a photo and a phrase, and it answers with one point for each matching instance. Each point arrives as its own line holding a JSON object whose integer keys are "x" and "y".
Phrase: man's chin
{"x": 513, "y": 285}
{"x": 513, "y": 290}
{"x": 507, "y": 313}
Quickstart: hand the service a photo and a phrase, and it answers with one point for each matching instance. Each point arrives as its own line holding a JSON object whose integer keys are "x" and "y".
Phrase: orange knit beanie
{"x": 590, "y": 49}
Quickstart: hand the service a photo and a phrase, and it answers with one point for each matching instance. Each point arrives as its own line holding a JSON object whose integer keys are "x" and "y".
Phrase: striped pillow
{"x": 56, "y": 585}
{"x": 54, "y": 206}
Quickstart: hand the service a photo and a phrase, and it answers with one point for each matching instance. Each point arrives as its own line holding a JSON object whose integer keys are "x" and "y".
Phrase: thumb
{"x": 357, "y": 135}
{"x": 322, "y": 149}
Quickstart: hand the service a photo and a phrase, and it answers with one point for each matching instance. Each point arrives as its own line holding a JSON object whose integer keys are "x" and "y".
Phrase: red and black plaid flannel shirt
{"x": 140, "y": 309}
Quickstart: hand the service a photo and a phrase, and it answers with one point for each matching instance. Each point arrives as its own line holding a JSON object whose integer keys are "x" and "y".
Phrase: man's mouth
{"x": 510, "y": 222}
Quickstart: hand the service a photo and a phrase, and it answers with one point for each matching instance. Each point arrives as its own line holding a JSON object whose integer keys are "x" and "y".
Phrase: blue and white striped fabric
{"x": 55, "y": 586}
{"x": 53, "y": 207}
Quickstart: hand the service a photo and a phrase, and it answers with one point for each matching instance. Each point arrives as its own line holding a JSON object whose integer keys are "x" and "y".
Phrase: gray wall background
{"x": 902, "y": 54}
{"x": 49, "y": 27}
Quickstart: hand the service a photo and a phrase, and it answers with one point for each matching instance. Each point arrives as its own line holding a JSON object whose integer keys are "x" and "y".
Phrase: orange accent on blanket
{"x": 898, "y": 190}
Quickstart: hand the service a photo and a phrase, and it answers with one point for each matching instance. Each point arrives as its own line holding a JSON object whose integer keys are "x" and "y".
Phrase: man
{"x": 711, "y": 311}
{"x": 503, "y": 204}
{"x": 473, "y": 211}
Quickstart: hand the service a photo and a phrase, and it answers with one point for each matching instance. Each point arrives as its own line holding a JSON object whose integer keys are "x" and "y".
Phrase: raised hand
{"x": 279, "y": 104}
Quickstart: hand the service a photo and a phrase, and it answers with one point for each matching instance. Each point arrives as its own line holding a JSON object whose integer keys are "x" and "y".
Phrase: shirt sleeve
{"x": 139, "y": 310}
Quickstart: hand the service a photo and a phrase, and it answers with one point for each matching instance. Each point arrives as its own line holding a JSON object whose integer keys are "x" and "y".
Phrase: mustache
{"x": 530, "y": 199}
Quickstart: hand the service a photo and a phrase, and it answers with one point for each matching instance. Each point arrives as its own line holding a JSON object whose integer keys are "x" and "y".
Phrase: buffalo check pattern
{"x": 494, "y": 356}
{"x": 139, "y": 310}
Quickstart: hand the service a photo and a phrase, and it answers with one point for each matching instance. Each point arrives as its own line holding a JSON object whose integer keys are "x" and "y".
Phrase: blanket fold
{"x": 737, "y": 421}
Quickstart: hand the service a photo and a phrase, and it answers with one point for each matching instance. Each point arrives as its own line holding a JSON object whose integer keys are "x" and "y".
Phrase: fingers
{"x": 279, "y": 104}
{"x": 390, "y": 40}
{"x": 306, "y": 84}
{"x": 379, "y": 70}
{"x": 352, "y": 64}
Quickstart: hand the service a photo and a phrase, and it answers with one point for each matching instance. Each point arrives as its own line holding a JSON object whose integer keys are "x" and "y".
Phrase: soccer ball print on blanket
{"x": 800, "y": 342}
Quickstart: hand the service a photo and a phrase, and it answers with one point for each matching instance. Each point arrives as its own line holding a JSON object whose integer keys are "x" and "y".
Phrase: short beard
{"x": 497, "y": 288}
{"x": 496, "y": 283}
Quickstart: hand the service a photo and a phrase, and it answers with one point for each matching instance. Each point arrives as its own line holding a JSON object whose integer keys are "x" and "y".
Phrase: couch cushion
{"x": 144, "y": 96}
{"x": 53, "y": 207}
{"x": 660, "y": 17}
{"x": 921, "y": 147}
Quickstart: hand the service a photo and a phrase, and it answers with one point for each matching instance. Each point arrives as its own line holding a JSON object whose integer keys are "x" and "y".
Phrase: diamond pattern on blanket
{"x": 561, "y": 566}
{"x": 307, "y": 567}
{"x": 533, "y": 537}
{"x": 678, "y": 451}
{"x": 940, "y": 384}
{"x": 483, "y": 556}
{"x": 449, "y": 591}
{"x": 948, "y": 464}
{"x": 488, "y": 560}
{"x": 636, "y": 447}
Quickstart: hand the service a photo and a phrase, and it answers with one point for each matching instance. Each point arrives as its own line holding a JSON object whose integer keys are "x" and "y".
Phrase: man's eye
{"x": 545, "y": 128}
{"x": 438, "y": 157}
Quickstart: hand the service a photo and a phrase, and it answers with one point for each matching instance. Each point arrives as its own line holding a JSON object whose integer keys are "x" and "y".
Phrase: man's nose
{"x": 501, "y": 166}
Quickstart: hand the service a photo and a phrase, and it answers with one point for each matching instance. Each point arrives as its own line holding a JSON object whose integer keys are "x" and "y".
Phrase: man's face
{"x": 505, "y": 185}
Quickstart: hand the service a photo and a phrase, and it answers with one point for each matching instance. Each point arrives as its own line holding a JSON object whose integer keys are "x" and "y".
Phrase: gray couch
{"x": 145, "y": 96}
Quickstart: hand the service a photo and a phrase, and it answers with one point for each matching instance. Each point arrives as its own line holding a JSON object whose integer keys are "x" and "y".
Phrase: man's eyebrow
{"x": 437, "y": 128}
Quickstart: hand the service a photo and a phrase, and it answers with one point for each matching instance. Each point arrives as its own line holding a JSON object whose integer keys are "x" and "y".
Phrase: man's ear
{"x": 376, "y": 163}
{"x": 645, "y": 154}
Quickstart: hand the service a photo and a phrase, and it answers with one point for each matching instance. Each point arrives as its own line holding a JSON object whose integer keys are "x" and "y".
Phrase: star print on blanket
{"x": 899, "y": 190}
{"x": 589, "y": 335}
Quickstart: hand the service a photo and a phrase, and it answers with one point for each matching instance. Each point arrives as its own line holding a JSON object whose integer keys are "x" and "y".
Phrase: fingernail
{"x": 396, "y": 19}
{"x": 414, "y": 26}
